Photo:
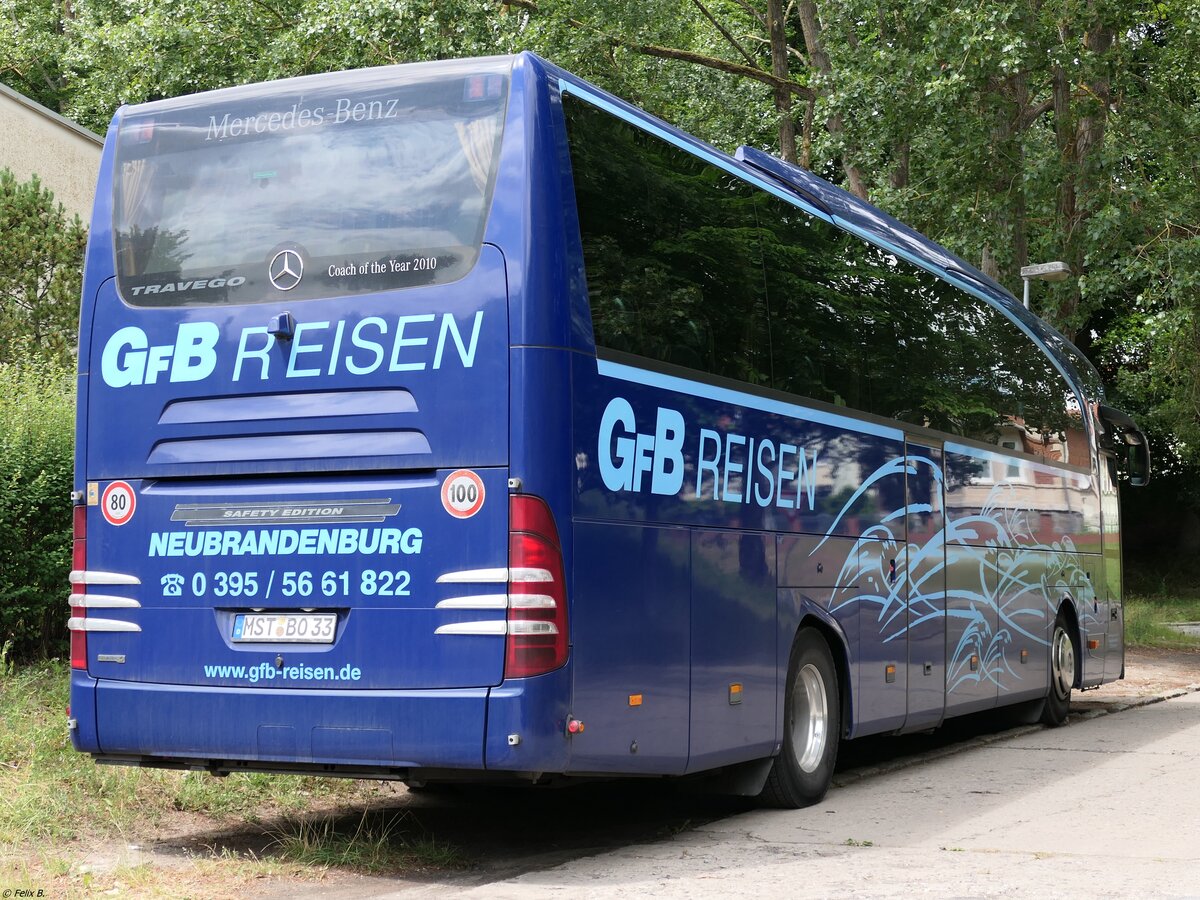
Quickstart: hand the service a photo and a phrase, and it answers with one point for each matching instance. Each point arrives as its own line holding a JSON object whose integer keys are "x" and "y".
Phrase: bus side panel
{"x": 654, "y": 447}
{"x": 631, "y": 633}
{"x": 1014, "y": 535}
{"x": 819, "y": 572}
{"x": 925, "y": 574}
{"x": 385, "y": 728}
{"x": 1026, "y": 610}
{"x": 1110, "y": 600}
{"x": 882, "y": 600}
{"x": 970, "y": 587}
{"x": 970, "y": 630}
{"x": 734, "y": 665}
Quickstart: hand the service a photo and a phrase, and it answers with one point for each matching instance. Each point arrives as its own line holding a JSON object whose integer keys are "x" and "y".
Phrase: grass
{"x": 56, "y": 805}
{"x": 49, "y": 792}
{"x": 224, "y": 874}
{"x": 1159, "y": 591}
{"x": 1146, "y": 618}
{"x": 373, "y": 843}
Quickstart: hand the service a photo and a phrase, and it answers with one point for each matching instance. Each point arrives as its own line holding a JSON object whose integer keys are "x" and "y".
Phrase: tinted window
{"x": 377, "y": 182}
{"x": 689, "y": 265}
{"x": 673, "y": 267}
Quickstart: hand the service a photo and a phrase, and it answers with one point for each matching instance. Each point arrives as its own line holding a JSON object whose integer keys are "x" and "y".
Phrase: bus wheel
{"x": 1062, "y": 672}
{"x": 802, "y": 772}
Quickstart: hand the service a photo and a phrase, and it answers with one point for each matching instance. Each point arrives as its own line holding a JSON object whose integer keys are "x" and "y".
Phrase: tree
{"x": 33, "y": 42}
{"x": 120, "y": 52}
{"x": 41, "y": 263}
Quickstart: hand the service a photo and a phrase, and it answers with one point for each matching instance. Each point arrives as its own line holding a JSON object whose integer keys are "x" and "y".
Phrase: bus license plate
{"x": 279, "y": 628}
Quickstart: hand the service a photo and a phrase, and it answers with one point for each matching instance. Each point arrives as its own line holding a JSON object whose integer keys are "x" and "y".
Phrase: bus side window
{"x": 672, "y": 260}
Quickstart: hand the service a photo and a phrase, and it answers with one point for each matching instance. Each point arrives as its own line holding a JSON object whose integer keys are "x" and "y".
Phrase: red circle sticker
{"x": 462, "y": 494}
{"x": 118, "y": 503}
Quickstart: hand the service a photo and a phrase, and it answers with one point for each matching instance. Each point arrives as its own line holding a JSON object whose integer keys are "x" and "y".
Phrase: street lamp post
{"x": 1051, "y": 271}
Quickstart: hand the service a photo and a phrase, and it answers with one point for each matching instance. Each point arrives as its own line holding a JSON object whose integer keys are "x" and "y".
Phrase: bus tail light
{"x": 78, "y": 564}
{"x": 537, "y": 596}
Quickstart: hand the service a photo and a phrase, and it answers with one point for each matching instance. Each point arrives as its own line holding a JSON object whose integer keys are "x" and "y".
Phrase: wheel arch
{"x": 819, "y": 619}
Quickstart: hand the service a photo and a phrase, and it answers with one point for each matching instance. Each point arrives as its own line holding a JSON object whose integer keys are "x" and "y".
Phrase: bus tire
{"x": 803, "y": 770}
{"x": 1063, "y": 667}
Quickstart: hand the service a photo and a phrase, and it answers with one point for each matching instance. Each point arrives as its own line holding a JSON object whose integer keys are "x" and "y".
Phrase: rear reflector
{"x": 537, "y": 598}
{"x": 79, "y": 564}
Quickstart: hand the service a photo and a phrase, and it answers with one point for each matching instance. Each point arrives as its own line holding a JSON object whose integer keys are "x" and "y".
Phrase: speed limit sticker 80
{"x": 462, "y": 494}
{"x": 118, "y": 503}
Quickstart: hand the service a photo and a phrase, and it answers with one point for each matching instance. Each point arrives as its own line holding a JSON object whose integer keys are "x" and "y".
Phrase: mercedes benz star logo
{"x": 286, "y": 269}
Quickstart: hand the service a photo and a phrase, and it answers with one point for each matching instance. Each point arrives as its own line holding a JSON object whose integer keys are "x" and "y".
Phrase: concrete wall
{"x": 65, "y": 156}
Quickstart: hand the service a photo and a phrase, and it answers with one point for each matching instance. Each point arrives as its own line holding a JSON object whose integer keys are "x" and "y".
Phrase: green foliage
{"x": 37, "y": 420}
{"x": 32, "y": 47}
{"x": 41, "y": 263}
{"x": 132, "y": 52}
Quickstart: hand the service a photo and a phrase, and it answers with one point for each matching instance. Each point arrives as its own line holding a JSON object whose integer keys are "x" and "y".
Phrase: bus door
{"x": 926, "y": 583}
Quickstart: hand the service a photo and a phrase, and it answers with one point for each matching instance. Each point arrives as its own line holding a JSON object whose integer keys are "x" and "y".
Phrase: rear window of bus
{"x": 310, "y": 188}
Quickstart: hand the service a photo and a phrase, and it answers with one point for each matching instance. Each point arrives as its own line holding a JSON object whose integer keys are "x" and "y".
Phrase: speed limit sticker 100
{"x": 118, "y": 503}
{"x": 462, "y": 493}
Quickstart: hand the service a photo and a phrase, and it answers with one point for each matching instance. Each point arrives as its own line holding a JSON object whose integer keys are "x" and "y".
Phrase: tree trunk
{"x": 1064, "y": 135}
{"x": 987, "y": 263}
{"x": 779, "y": 68}
{"x": 806, "y": 155}
{"x": 819, "y": 60}
{"x": 1077, "y": 139}
{"x": 1089, "y": 133}
{"x": 899, "y": 174}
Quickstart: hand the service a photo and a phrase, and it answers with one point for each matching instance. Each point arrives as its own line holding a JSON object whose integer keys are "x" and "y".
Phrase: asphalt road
{"x": 1108, "y": 806}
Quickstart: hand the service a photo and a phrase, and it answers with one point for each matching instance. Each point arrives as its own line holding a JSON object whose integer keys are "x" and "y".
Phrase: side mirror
{"x": 1120, "y": 434}
{"x": 1138, "y": 462}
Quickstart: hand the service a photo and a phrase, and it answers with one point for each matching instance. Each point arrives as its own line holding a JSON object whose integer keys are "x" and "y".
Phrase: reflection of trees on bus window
{"x": 670, "y": 251}
{"x": 414, "y": 183}
{"x": 153, "y": 250}
{"x": 688, "y": 265}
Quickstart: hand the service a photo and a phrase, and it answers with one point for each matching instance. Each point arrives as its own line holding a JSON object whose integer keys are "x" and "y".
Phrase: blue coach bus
{"x": 458, "y": 421}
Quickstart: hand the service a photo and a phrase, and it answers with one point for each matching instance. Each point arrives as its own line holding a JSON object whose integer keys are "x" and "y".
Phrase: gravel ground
{"x": 1149, "y": 673}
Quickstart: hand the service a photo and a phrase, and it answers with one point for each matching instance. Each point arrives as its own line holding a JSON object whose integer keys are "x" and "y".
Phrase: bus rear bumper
{"x": 517, "y": 727}
{"x": 290, "y": 729}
